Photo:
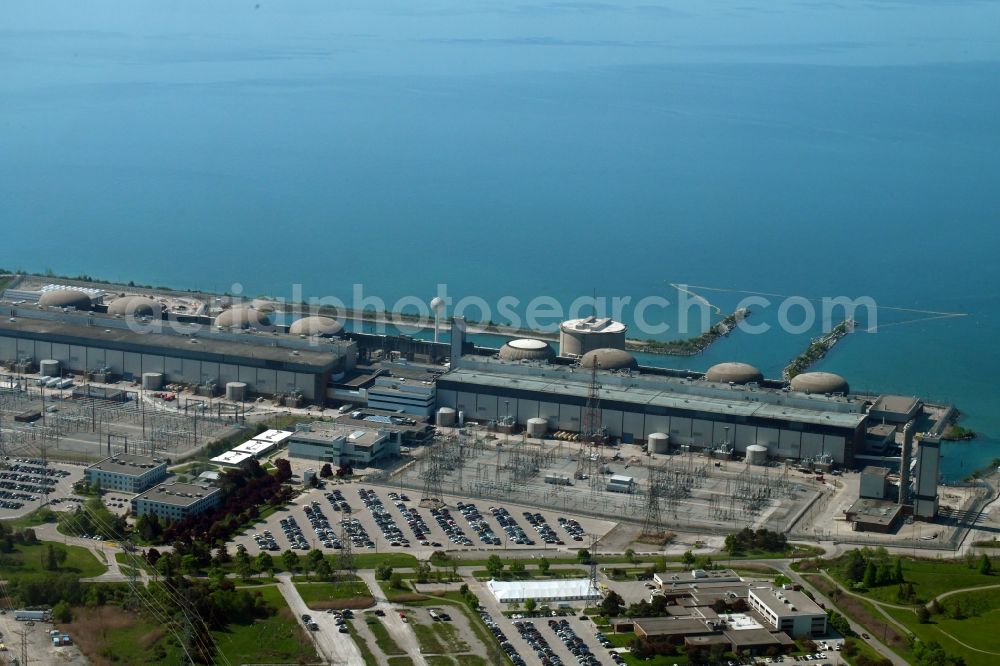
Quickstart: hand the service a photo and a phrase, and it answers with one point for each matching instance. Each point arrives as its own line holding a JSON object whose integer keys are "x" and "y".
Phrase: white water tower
{"x": 437, "y": 305}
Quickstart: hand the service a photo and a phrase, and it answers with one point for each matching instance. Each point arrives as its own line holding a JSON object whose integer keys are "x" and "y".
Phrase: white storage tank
{"x": 757, "y": 454}
{"x": 659, "y": 442}
{"x": 446, "y": 417}
{"x": 537, "y": 427}
{"x": 308, "y": 476}
{"x": 236, "y": 391}
{"x": 49, "y": 367}
{"x": 152, "y": 381}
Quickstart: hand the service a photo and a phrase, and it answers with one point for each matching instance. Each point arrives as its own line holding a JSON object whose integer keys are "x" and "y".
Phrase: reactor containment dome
{"x": 734, "y": 373}
{"x": 609, "y": 359}
{"x": 324, "y": 327}
{"x": 135, "y": 306}
{"x": 66, "y": 298}
{"x": 526, "y": 349}
{"x": 819, "y": 382}
{"x": 242, "y": 317}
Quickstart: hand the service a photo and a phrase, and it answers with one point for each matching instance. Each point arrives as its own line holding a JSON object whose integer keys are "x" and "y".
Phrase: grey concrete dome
{"x": 321, "y": 326}
{"x": 66, "y": 298}
{"x": 242, "y": 317}
{"x": 819, "y": 382}
{"x": 527, "y": 349}
{"x": 607, "y": 358}
{"x": 135, "y": 306}
{"x": 736, "y": 373}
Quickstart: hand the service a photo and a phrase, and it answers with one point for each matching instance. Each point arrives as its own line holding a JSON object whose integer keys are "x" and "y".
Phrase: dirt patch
{"x": 93, "y": 629}
{"x": 152, "y": 638}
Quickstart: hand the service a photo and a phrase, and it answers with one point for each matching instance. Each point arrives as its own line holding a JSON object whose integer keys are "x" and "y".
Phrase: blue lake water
{"x": 550, "y": 148}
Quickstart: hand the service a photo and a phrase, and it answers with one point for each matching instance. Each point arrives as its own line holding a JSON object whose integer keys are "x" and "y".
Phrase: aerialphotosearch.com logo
{"x": 647, "y": 317}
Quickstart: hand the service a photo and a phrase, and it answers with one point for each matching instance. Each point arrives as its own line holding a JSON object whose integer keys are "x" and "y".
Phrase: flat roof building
{"x": 269, "y": 365}
{"x": 339, "y": 445}
{"x": 693, "y": 412}
{"x": 174, "y": 501}
{"x": 790, "y": 611}
{"x": 874, "y": 515}
{"x": 570, "y": 589}
{"x": 127, "y": 472}
{"x": 276, "y": 437}
{"x": 255, "y": 448}
{"x": 233, "y": 458}
{"x": 397, "y": 394}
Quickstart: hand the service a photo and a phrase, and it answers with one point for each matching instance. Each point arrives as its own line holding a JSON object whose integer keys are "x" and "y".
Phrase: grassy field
{"x": 459, "y": 660}
{"x": 109, "y": 635}
{"x": 427, "y": 638}
{"x": 982, "y": 614}
{"x": 276, "y": 639}
{"x": 400, "y": 661}
{"x": 532, "y": 574}
{"x": 31, "y": 560}
{"x": 346, "y": 594}
{"x": 930, "y": 578}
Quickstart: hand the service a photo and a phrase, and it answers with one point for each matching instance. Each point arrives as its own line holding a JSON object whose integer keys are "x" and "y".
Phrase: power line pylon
{"x": 346, "y": 562}
{"x": 653, "y": 530}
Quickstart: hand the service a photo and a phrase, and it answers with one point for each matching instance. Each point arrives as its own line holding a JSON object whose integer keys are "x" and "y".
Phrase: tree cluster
{"x": 759, "y": 540}
{"x": 872, "y": 568}
{"x": 243, "y": 492}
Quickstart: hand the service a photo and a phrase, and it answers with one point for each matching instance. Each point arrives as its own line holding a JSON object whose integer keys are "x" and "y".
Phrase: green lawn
{"x": 29, "y": 559}
{"x": 277, "y": 639}
{"x": 321, "y": 596}
{"x": 531, "y": 574}
{"x": 394, "y": 560}
{"x": 382, "y": 637}
{"x": 459, "y": 660}
{"x": 977, "y": 630}
{"x": 930, "y": 578}
{"x": 400, "y": 661}
{"x": 426, "y": 636}
{"x": 108, "y": 634}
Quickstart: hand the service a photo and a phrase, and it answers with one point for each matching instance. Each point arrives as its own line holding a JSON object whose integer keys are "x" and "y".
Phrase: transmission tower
{"x": 593, "y": 561}
{"x": 346, "y": 560}
{"x": 652, "y": 526}
{"x": 433, "y": 476}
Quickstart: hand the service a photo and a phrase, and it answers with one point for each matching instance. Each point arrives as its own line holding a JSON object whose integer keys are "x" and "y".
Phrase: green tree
{"x": 313, "y": 559}
{"x": 543, "y": 566}
{"x": 530, "y": 605}
{"x": 985, "y": 566}
{"x": 62, "y": 612}
{"x": 494, "y": 565}
{"x": 687, "y": 558}
{"x": 383, "y": 571}
{"x": 396, "y": 581}
{"x": 265, "y": 563}
{"x": 583, "y": 555}
{"x": 899, "y": 570}
{"x": 630, "y": 555}
{"x": 517, "y": 568}
{"x": 923, "y": 615}
{"x": 49, "y": 558}
{"x": 612, "y": 604}
{"x": 290, "y": 559}
{"x": 324, "y": 570}
{"x": 871, "y": 572}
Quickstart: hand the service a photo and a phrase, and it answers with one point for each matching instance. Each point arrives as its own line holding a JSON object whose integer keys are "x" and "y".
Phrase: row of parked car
{"x": 577, "y": 647}
{"x": 451, "y": 529}
{"x": 321, "y": 526}
{"x": 414, "y": 520}
{"x": 515, "y": 533}
{"x": 505, "y": 644}
{"x": 266, "y": 541}
{"x": 572, "y": 527}
{"x": 545, "y": 531}
{"x": 533, "y": 637}
{"x": 337, "y": 501}
{"x": 384, "y": 520}
{"x": 478, "y": 524}
{"x": 293, "y": 533}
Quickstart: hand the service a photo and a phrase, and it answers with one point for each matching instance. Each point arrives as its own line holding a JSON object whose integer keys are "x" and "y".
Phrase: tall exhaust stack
{"x": 904, "y": 464}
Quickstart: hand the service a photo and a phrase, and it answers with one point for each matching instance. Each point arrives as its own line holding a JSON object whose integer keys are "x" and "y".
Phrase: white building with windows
{"x": 339, "y": 445}
{"x": 790, "y": 611}
{"x": 127, "y": 472}
{"x": 174, "y": 501}
{"x": 397, "y": 394}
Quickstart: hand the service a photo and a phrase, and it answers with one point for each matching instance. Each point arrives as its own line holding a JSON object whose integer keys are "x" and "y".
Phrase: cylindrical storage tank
{"x": 461, "y": 419}
{"x": 537, "y": 427}
{"x": 659, "y": 442}
{"x": 236, "y": 391}
{"x": 152, "y": 381}
{"x": 446, "y": 417}
{"x": 579, "y": 336}
{"x": 49, "y": 368}
{"x": 757, "y": 454}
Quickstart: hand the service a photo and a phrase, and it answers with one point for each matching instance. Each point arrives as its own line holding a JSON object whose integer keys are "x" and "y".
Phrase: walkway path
{"x": 334, "y": 646}
{"x": 399, "y": 631}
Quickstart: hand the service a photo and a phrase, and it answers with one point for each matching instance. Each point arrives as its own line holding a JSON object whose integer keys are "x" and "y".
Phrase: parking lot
{"x": 25, "y": 483}
{"x": 562, "y": 640}
{"x": 380, "y": 519}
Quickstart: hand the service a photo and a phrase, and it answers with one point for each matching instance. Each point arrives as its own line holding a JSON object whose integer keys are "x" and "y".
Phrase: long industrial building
{"x": 729, "y": 408}
{"x": 87, "y": 342}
